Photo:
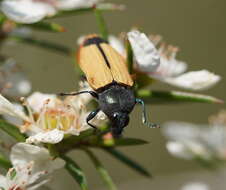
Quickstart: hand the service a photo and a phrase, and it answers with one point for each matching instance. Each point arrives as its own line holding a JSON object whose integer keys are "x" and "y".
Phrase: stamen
{"x": 26, "y": 105}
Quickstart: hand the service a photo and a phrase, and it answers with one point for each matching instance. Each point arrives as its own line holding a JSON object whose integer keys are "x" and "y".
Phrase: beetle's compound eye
{"x": 120, "y": 119}
{"x": 116, "y": 115}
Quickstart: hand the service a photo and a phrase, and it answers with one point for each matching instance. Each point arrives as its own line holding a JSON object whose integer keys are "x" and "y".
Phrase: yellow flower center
{"x": 58, "y": 119}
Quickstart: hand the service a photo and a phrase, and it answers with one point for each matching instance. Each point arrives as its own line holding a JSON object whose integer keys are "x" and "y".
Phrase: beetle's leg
{"x": 144, "y": 115}
{"x": 91, "y": 116}
{"x": 92, "y": 93}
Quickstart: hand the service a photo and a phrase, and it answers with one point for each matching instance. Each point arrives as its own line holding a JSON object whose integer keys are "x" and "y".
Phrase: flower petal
{"x": 26, "y": 11}
{"x": 8, "y": 108}
{"x": 195, "y": 80}
{"x": 170, "y": 68}
{"x": 147, "y": 56}
{"x": 53, "y": 137}
{"x": 23, "y": 153}
{"x": 37, "y": 100}
{"x": 3, "y": 182}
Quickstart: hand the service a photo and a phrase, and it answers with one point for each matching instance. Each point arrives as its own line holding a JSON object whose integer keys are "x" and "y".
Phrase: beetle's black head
{"x": 119, "y": 121}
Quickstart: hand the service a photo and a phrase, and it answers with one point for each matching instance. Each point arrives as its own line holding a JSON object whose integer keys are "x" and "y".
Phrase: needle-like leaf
{"x": 101, "y": 24}
{"x": 164, "y": 97}
{"x": 126, "y": 160}
{"x": 101, "y": 170}
{"x": 42, "y": 43}
{"x": 4, "y": 162}
{"x": 11, "y": 130}
{"x": 45, "y": 26}
{"x": 76, "y": 172}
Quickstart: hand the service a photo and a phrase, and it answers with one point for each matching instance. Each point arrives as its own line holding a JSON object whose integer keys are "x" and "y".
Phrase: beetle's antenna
{"x": 144, "y": 115}
{"x": 92, "y": 93}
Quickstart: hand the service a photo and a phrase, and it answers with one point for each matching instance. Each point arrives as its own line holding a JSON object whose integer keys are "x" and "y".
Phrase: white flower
{"x": 32, "y": 166}
{"x": 161, "y": 64}
{"x": 27, "y": 11}
{"x": 8, "y": 108}
{"x": 37, "y": 100}
{"x": 147, "y": 56}
{"x": 191, "y": 141}
{"x": 196, "y": 80}
{"x": 50, "y": 118}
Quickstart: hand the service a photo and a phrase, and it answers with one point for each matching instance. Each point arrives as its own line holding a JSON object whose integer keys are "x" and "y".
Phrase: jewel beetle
{"x": 107, "y": 74}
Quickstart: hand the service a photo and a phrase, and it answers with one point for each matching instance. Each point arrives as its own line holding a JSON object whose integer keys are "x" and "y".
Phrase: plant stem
{"x": 102, "y": 171}
{"x": 101, "y": 24}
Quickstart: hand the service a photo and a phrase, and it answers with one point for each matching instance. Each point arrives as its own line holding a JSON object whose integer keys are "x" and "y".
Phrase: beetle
{"x": 107, "y": 74}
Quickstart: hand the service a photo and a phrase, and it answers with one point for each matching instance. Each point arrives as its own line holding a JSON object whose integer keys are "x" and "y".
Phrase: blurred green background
{"x": 197, "y": 26}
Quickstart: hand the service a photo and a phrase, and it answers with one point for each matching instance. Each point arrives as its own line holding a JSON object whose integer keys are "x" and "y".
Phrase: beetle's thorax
{"x": 116, "y": 98}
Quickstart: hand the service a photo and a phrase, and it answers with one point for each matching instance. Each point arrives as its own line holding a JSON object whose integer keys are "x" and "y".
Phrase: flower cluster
{"x": 50, "y": 118}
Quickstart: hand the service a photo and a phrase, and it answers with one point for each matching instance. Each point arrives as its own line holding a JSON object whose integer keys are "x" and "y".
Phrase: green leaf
{"x": 72, "y": 142}
{"x": 126, "y": 160}
{"x": 101, "y": 7}
{"x": 142, "y": 80}
{"x": 45, "y": 26}
{"x": 76, "y": 172}
{"x": 2, "y": 19}
{"x": 42, "y": 43}
{"x": 129, "y": 142}
{"x": 164, "y": 97}
{"x": 101, "y": 170}
{"x": 129, "y": 53}
{"x": 4, "y": 162}
{"x": 102, "y": 142}
{"x": 101, "y": 24}
{"x": 11, "y": 130}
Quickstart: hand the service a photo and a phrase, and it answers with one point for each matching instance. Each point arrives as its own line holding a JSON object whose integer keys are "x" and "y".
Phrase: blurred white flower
{"x": 161, "y": 64}
{"x": 178, "y": 149}
{"x": 27, "y": 11}
{"x": 116, "y": 43}
{"x": 71, "y": 4}
{"x": 195, "y": 186}
{"x": 191, "y": 141}
{"x": 50, "y": 118}
{"x": 13, "y": 81}
{"x": 32, "y": 166}
{"x": 218, "y": 119}
{"x": 31, "y": 11}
